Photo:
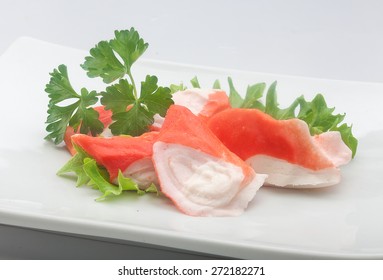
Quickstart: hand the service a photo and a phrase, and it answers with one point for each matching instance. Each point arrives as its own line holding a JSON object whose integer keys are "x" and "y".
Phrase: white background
{"x": 334, "y": 39}
{"x": 325, "y": 39}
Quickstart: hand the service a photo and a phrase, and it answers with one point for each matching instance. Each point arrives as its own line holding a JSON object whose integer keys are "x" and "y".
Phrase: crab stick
{"x": 283, "y": 149}
{"x": 131, "y": 155}
{"x": 197, "y": 172}
{"x": 203, "y": 103}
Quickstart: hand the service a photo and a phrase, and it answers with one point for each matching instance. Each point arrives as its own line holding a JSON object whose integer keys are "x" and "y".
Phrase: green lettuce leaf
{"x": 272, "y": 106}
{"x": 216, "y": 84}
{"x": 90, "y": 173}
{"x": 174, "y": 88}
{"x": 195, "y": 83}
{"x": 75, "y": 165}
{"x": 98, "y": 181}
{"x": 253, "y": 95}
{"x": 235, "y": 98}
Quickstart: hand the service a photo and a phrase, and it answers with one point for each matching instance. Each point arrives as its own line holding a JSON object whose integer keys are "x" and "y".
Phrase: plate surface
{"x": 344, "y": 221}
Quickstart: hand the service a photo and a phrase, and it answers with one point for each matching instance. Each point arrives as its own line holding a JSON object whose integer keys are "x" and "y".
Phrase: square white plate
{"x": 344, "y": 221}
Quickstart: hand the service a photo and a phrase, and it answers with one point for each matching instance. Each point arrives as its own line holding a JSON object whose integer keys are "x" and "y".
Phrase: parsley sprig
{"x": 78, "y": 114}
{"x": 153, "y": 99}
{"x": 112, "y": 61}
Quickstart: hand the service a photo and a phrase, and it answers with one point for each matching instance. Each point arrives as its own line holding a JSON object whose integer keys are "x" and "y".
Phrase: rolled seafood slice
{"x": 203, "y": 103}
{"x": 131, "y": 155}
{"x": 105, "y": 116}
{"x": 282, "y": 149}
{"x": 197, "y": 172}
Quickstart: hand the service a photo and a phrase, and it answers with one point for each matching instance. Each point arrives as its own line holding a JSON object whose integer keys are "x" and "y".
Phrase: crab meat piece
{"x": 197, "y": 172}
{"x": 203, "y": 103}
{"x": 283, "y": 149}
{"x": 131, "y": 155}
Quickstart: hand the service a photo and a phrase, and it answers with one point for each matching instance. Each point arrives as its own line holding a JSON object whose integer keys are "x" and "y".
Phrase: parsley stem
{"x": 133, "y": 84}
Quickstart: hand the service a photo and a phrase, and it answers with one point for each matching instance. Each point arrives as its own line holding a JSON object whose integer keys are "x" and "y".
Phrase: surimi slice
{"x": 333, "y": 147}
{"x": 283, "y": 149}
{"x": 105, "y": 116}
{"x": 131, "y": 155}
{"x": 197, "y": 172}
{"x": 203, "y": 103}
{"x": 282, "y": 173}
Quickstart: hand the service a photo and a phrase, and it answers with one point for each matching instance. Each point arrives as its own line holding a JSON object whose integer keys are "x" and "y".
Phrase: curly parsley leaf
{"x": 129, "y": 45}
{"x": 118, "y": 96}
{"x": 103, "y": 61}
{"x": 77, "y": 114}
{"x": 59, "y": 87}
{"x": 156, "y": 99}
{"x": 138, "y": 114}
{"x": 133, "y": 122}
{"x": 132, "y": 113}
{"x": 110, "y": 60}
{"x": 58, "y": 120}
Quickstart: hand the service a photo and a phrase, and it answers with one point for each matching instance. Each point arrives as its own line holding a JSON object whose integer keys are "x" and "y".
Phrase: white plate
{"x": 345, "y": 221}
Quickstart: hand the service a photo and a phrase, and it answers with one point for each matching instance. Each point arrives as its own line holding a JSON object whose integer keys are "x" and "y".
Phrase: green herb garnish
{"x": 132, "y": 111}
{"x": 89, "y": 173}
